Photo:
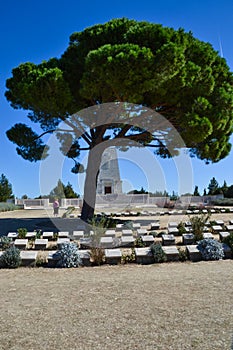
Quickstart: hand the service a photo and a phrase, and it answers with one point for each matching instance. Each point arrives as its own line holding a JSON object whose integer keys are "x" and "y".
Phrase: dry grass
{"x": 166, "y": 306}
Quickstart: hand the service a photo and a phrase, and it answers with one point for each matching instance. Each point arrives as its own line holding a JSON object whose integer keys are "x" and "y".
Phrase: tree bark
{"x": 92, "y": 171}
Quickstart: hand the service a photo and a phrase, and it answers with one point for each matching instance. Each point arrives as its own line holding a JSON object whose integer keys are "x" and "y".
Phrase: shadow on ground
{"x": 44, "y": 224}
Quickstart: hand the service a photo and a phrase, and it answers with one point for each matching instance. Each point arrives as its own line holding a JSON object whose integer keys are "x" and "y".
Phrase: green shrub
{"x": 181, "y": 228}
{"x": 139, "y": 242}
{"x": 158, "y": 253}
{"x": 38, "y": 234}
{"x": 198, "y": 223}
{"x": 159, "y": 234}
{"x": 183, "y": 256}
{"x": 154, "y": 234}
{"x": 229, "y": 241}
{"x": 102, "y": 222}
{"x": 22, "y": 232}
{"x": 8, "y": 207}
{"x": 68, "y": 211}
{"x": 10, "y": 258}
{"x": 5, "y": 242}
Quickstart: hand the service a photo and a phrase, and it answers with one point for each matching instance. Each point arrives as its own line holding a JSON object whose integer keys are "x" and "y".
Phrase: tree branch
{"x": 44, "y": 133}
{"x": 138, "y": 137}
{"x": 124, "y": 130}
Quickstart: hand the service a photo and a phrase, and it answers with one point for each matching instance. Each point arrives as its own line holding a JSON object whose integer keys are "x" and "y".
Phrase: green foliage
{"x": 154, "y": 234}
{"x": 225, "y": 202}
{"x": 213, "y": 187}
{"x": 198, "y": 222}
{"x": 124, "y": 60}
{"x": 30, "y": 146}
{"x": 229, "y": 192}
{"x": 5, "y": 242}
{"x": 10, "y": 258}
{"x": 5, "y": 189}
{"x": 8, "y": 207}
{"x": 183, "y": 256}
{"x": 69, "y": 192}
{"x": 63, "y": 191}
{"x": 141, "y": 191}
{"x": 158, "y": 253}
{"x": 22, "y": 232}
{"x": 58, "y": 191}
{"x": 196, "y": 192}
{"x": 229, "y": 241}
{"x": 181, "y": 228}
{"x": 138, "y": 62}
{"x": 38, "y": 234}
{"x": 139, "y": 242}
{"x": 68, "y": 212}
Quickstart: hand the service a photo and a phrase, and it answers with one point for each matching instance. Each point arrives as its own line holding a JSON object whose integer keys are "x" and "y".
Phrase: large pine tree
{"x": 145, "y": 64}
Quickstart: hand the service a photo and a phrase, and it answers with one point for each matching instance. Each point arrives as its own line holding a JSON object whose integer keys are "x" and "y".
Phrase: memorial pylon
{"x": 109, "y": 181}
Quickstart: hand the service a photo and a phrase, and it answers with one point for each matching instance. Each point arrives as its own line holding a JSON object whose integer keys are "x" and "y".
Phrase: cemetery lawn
{"x": 165, "y": 306}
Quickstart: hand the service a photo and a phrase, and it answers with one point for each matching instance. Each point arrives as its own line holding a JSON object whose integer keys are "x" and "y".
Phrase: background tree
{"x": 5, "y": 189}
{"x": 63, "y": 191}
{"x": 141, "y": 191}
{"x": 204, "y": 192}
{"x": 196, "y": 192}
{"x": 143, "y": 63}
{"x": 24, "y": 196}
{"x": 58, "y": 191}
{"x": 213, "y": 187}
{"x": 69, "y": 192}
{"x": 229, "y": 192}
{"x": 224, "y": 188}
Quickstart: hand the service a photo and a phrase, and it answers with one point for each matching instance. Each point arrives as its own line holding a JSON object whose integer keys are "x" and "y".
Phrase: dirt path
{"x": 178, "y": 306}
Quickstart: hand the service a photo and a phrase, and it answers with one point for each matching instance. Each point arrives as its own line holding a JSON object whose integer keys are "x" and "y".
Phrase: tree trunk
{"x": 89, "y": 199}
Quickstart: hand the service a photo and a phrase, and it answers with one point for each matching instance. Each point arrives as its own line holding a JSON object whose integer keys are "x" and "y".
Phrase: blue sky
{"x": 37, "y": 30}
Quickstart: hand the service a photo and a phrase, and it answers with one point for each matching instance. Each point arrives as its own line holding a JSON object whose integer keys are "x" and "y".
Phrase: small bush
{"x": 198, "y": 223}
{"x": 229, "y": 241}
{"x": 154, "y": 234}
{"x": 22, "y": 232}
{"x": 38, "y": 234}
{"x": 181, "y": 228}
{"x": 102, "y": 222}
{"x": 139, "y": 242}
{"x": 41, "y": 259}
{"x": 5, "y": 242}
{"x": 97, "y": 255}
{"x": 128, "y": 257}
{"x": 128, "y": 225}
{"x": 10, "y": 258}
{"x": 68, "y": 256}
{"x": 182, "y": 255}
{"x": 211, "y": 249}
{"x": 8, "y": 207}
{"x": 68, "y": 211}
{"x": 158, "y": 253}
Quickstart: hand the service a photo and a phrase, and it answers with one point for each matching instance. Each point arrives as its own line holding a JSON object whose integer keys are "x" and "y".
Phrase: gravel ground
{"x": 166, "y": 306}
